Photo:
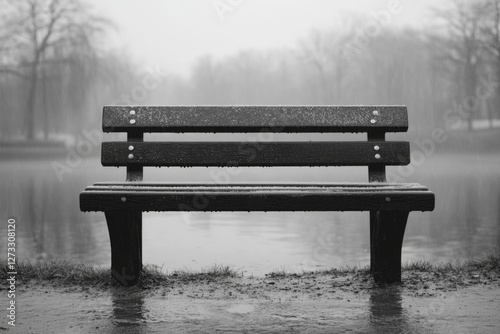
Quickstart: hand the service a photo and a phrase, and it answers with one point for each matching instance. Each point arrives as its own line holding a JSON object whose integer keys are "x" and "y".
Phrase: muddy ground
{"x": 426, "y": 302}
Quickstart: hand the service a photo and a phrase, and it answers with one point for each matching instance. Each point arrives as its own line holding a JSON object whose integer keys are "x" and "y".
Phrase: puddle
{"x": 241, "y": 309}
{"x": 390, "y": 310}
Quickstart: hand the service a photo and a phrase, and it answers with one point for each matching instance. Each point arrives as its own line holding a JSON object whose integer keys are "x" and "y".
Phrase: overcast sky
{"x": 172, "y": 34}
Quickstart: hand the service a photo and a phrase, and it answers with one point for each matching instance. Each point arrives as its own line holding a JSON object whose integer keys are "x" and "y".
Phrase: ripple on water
{"x": 241, "y": 308}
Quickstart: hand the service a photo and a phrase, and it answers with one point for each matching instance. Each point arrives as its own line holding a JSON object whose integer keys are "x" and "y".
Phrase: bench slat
{"x": 249, "y": 187}
{"x": 255, "y": 118}
{"x": 378, "y": 185}
{"x": 253, "y": 198}
{"x": 255, "y": 154}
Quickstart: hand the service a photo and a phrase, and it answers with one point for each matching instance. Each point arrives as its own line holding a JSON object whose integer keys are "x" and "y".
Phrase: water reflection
{"x": 48, "y": 219}
{"x": 128, "y": 310}
{"x": 498, "y": 220}
{"x": 466, "y": 220}
{"x": 386, "y": 311}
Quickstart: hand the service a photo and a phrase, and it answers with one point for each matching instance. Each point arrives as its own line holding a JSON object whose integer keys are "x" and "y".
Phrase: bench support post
{"x": 135, "y": 173}
{"x": 125, "y": 234}
{"x": 387, "y": 230}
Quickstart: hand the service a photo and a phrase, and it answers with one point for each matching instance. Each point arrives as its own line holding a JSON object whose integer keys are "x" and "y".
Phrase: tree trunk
{"x": 30, "y": 109}
{"x": 470, "y": 88}
{"x": 45, "y": 109}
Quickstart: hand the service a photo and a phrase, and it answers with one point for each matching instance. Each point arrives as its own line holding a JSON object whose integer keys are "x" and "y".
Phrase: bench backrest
{"x": 376, "y": 153}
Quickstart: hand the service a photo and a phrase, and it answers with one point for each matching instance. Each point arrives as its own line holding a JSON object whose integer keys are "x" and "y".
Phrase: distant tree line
{"x": 447, "y": 74}
{"x": 56, "y": 73}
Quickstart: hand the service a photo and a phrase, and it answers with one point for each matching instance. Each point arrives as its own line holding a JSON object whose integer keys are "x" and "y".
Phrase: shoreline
{"x": 483, "y": 269}
{"x": 69, "y": 297}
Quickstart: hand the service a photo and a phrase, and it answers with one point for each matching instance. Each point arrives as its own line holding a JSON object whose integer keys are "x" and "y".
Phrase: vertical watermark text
{"x": 11, "y": 271}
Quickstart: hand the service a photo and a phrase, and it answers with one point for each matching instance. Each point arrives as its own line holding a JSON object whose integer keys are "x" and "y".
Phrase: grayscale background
{"x": 61, "y": 61}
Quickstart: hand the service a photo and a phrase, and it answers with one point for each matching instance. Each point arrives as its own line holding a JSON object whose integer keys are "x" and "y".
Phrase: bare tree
{"x": 39, "y": 33}
{"x": 322, "y": 51}
{"x": 492, "y": 40}
{"x": 464, "y": 46}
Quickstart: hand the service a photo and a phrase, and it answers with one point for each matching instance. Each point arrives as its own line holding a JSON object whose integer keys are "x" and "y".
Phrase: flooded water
{"x": 466, "y": 220}
{"x": 381, "y": 310}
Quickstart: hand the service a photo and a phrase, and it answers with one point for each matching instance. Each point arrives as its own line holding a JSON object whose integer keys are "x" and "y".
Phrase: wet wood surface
{"x": 255, "y": 154}
{"x": 255, "y": 118}
{"x": 256, "y": 198}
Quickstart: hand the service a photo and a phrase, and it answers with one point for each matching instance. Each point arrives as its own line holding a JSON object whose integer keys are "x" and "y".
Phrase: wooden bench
{"x": 388, "y": 203}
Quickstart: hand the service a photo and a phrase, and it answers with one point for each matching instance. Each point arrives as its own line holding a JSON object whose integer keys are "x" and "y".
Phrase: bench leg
{"x": 387, "y": 230}
{"x": 125, "y": 234}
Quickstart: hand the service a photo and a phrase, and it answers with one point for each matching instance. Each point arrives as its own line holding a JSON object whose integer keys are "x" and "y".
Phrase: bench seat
{"x": 142, "y": 196}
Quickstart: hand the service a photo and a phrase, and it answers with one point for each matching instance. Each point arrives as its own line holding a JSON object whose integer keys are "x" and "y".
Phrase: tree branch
{"x": 14, "y": 72}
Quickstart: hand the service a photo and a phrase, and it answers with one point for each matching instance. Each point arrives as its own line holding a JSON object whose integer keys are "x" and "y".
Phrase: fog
{"x": 62, "y": 61}
{"x": 441, "y": 61}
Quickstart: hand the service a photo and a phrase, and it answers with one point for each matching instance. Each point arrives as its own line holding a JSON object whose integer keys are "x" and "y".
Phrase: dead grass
{"x": 67, "y": 272}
